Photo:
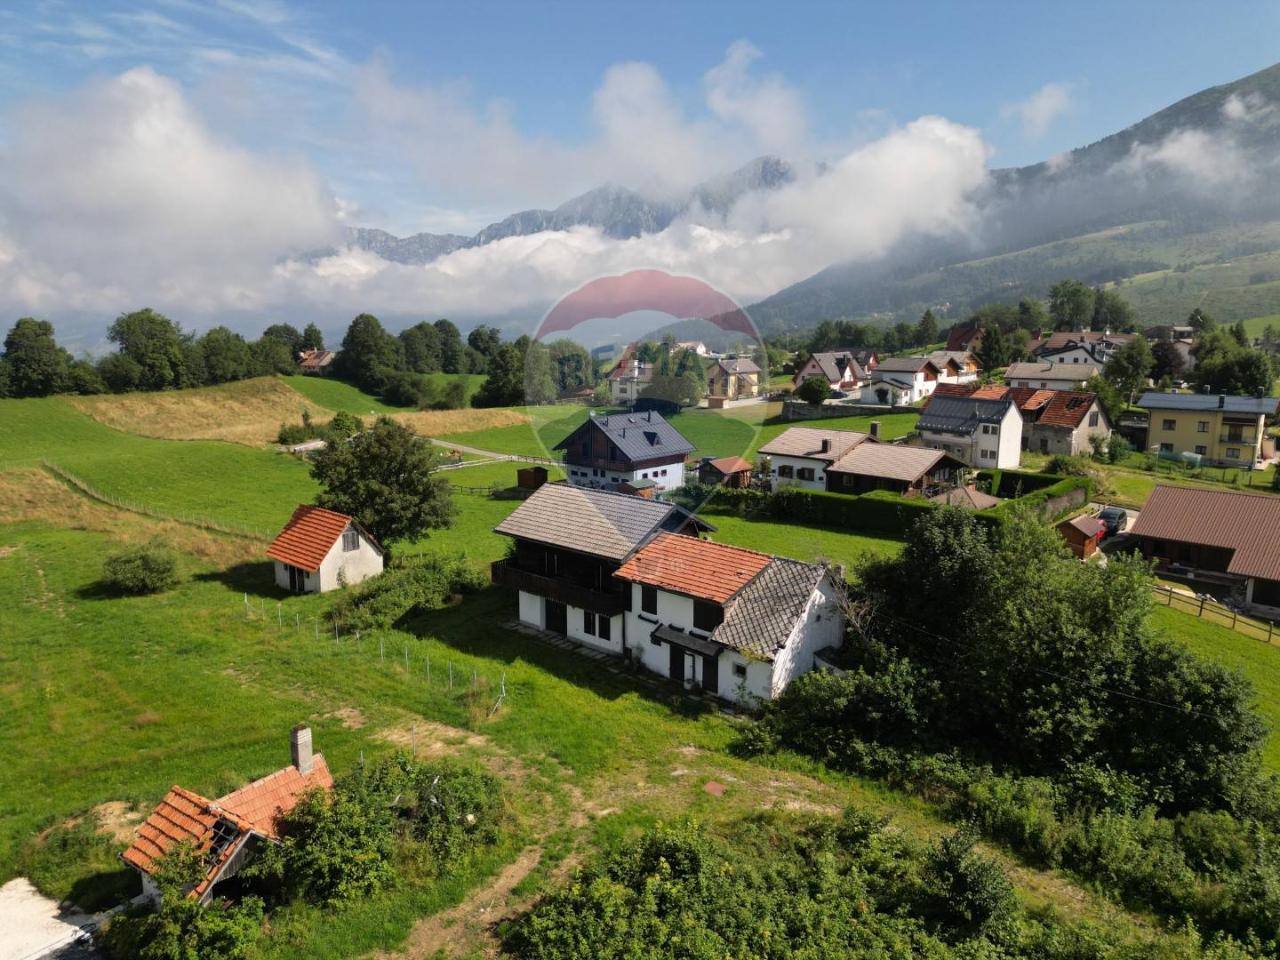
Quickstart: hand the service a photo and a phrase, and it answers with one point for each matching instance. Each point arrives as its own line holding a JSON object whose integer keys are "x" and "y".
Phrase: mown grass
{"x": 335, "y": 395}
{"x": 230, "y": 483}
{"x": 1257, "y": 660}
{"x": 800, "y": 542}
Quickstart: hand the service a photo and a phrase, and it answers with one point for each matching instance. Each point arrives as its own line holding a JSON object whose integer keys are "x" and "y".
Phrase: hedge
{"x": 1009, "y": 484}
{"x": 891, "y": 514}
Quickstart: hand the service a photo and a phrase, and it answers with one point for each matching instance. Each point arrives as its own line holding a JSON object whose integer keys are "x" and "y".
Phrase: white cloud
{"x": 1250, "y": 108}
{"x": 1037, "y": 113}
{"x": 771, "y": 110}
{"x": 1205, "y": 160}
{"x": 118, "y": 195}
{"x": 119, "y": 191}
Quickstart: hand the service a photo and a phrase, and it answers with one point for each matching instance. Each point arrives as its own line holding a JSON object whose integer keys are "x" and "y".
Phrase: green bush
{"x": 970, "y": 892}
{"x": 409, "y": 585}
{"x": 140, "y": 570}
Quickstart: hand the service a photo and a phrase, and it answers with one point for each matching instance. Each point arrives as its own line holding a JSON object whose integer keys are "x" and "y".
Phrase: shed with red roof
{"x": 321, "y": 549}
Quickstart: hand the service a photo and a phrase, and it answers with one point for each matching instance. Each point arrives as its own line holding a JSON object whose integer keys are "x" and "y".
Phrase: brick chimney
{"x": 825, "y": 446}
{"x": 300, "y": 748}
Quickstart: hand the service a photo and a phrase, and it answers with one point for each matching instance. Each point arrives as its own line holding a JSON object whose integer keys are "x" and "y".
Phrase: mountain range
{"x": 1180, "y": 209}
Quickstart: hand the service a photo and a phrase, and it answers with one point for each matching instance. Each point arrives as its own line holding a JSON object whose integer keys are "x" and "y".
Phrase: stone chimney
{"x": 825, "y": 446}
{"x": 875, "y": 429}
{"x": 1222, "y": 400}
{"x": 300, "y": 748}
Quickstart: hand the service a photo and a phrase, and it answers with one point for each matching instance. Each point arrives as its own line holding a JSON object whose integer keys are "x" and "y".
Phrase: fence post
{"x": 428, "y": 671}
{"x": 1269, "y": 626}
{"x": 279, "y": 617}
{"x": 1200, "y": 612}
{"x": 1169, "y": 593}
{"x": 1235, "y": 615}
{"x": 406, "y": 660}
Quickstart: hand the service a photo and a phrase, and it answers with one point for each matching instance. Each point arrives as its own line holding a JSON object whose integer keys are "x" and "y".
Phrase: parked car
{"x": 1116, "y": 520}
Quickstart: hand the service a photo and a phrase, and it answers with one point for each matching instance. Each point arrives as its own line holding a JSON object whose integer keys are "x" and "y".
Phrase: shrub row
{"x": 408, "y": 585}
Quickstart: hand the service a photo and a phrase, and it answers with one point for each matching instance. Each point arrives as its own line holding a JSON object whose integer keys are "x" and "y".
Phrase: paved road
{"x": 33, "y": 926}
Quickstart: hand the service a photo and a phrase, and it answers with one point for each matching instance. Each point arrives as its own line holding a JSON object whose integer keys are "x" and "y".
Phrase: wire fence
{"x": 132, "y": 506}
{"x": 480, "y": 694}
{"x": 1206, "y": 608}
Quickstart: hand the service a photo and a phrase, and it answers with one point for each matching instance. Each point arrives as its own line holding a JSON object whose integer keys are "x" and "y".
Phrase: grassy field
{"x": 111, "y": 700}
{"x": 800, "y": 542}
{"x": 335, "y": 395}
{"x": 1258, "y": 661}
{"x": 229, "y": 483}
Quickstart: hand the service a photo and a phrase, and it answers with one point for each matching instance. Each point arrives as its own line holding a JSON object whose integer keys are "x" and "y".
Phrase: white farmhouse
{"x": 800, "y": 456}
{"x": 980, "y": 431}
{"x": 321, "y": 550}
{"x": 726, "y": 621}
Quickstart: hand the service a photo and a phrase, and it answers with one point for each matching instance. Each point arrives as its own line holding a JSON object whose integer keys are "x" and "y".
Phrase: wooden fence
{"x": 1206, "y": 608}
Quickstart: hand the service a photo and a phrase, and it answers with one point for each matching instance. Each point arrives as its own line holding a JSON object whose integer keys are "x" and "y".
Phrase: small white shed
{"x": 321, "y": 550}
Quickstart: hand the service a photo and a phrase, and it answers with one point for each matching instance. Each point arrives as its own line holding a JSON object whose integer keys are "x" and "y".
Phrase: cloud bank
{"x": 1038, "y": 112}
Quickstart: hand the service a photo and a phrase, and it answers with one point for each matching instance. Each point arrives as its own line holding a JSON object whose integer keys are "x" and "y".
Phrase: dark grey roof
{"x": 640, "y": 436}
{"x": 903, "y": 364}
{"x": 1154, "y": 400}
{"x": 834, "y": 362}
{"x": 597, "y": 522}
{"x": 960, "y": 415}
{"x": 768, "y": 608}
{"x": 738, "y": 365}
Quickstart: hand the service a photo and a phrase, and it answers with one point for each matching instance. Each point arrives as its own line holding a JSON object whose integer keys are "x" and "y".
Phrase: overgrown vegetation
{"x": 411, "y": 584}
{"x": 334, "y": 847}
{"x": 829, "y": 887}
{"x": 990, "y": 670}
{"x": 152, "y": 568}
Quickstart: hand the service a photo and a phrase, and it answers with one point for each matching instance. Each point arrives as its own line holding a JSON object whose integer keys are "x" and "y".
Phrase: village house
{"x": 1221, "y": 429}
{"x": 321, "y": 550}
{"x": 905, "y": 380}
{"x": 727, "y": 621}
{"x": 629, "y": 377}
{"x": 1218, "y": 536}
{"x": 910, "y": 471}
{"x": 626, "y": 448}
{"x": 1079, "y": 346}
{"x": 315, "y": 361}
{"x": 981, "y": 432}
{"x": 1053, "y": 421}
{"x": 967, "y": 337}
{"x": 227, "y": 832}
{"x": 958, "y": 366}
{"x": 1082, "y": 534}
{"x": 732, "y": 472}
{"x": 733, "y": 378}
{"x": 800, "y": 456}
{"x": 1048, "y": 375}
{"x": 697, "y": 346}
{"x": 840, "y": 368}
{"x": 567, "y": 542}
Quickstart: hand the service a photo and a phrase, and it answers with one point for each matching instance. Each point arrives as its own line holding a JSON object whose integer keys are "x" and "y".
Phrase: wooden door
{"x": 677, "y": 663}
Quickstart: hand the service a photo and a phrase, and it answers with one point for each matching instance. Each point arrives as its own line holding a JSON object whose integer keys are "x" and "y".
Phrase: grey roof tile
{"x": 767, "y": 609}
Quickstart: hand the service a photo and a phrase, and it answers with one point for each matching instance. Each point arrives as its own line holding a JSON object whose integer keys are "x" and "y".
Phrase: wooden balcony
{"x": 506, "y": 574}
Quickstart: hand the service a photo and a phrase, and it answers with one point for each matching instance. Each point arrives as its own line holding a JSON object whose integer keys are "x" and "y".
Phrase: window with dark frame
{"x": 706, "y": 615}
{"x": 588, "y": 623}
{"x": 740, "y": 671}
{"x": 648, "y": 599}
{"x": 604, "y": 628}
{"x": 350, "y": 540}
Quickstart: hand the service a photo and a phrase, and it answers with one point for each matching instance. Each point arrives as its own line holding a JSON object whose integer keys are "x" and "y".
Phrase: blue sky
{"x": 277, "y": 77}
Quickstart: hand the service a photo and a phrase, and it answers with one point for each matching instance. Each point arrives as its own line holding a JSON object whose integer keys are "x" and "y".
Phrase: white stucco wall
{"x": 819, "y": 467}
{"x": 669, "y": 476}
{"x": 822, "y": 626}
{"x": 1047, "y": 383}
{"x": 531, "y": 609}
{"x": 341, "y": 567}
{"x": 1010, "y": 439}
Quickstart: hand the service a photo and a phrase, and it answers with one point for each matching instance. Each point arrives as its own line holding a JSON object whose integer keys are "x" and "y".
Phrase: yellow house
{"x": 1221, "y": 429}
{"x": 733, "y": 379}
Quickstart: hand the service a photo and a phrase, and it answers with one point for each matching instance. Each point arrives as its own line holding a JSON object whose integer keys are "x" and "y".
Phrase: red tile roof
{"x": 728, "y": 465}
{"x": 181, "y": 817}
{"x": 696, "y": 568}
{"x": 953, "y": 389}
{"x": 308, "y": 536}
{"x": 1243, "y": 522}
{"x": 992, "y": 391}
{"x": 261, "y": 802}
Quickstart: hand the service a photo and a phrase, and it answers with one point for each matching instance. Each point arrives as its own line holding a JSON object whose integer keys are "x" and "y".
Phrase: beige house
{"x": 1221, "y": 429}
{"x": 733, "y": 378}
{"x": 321, "y": 550}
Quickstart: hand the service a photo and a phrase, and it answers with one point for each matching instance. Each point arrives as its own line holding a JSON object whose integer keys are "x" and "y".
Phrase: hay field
{"x": 248, "y": 411}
